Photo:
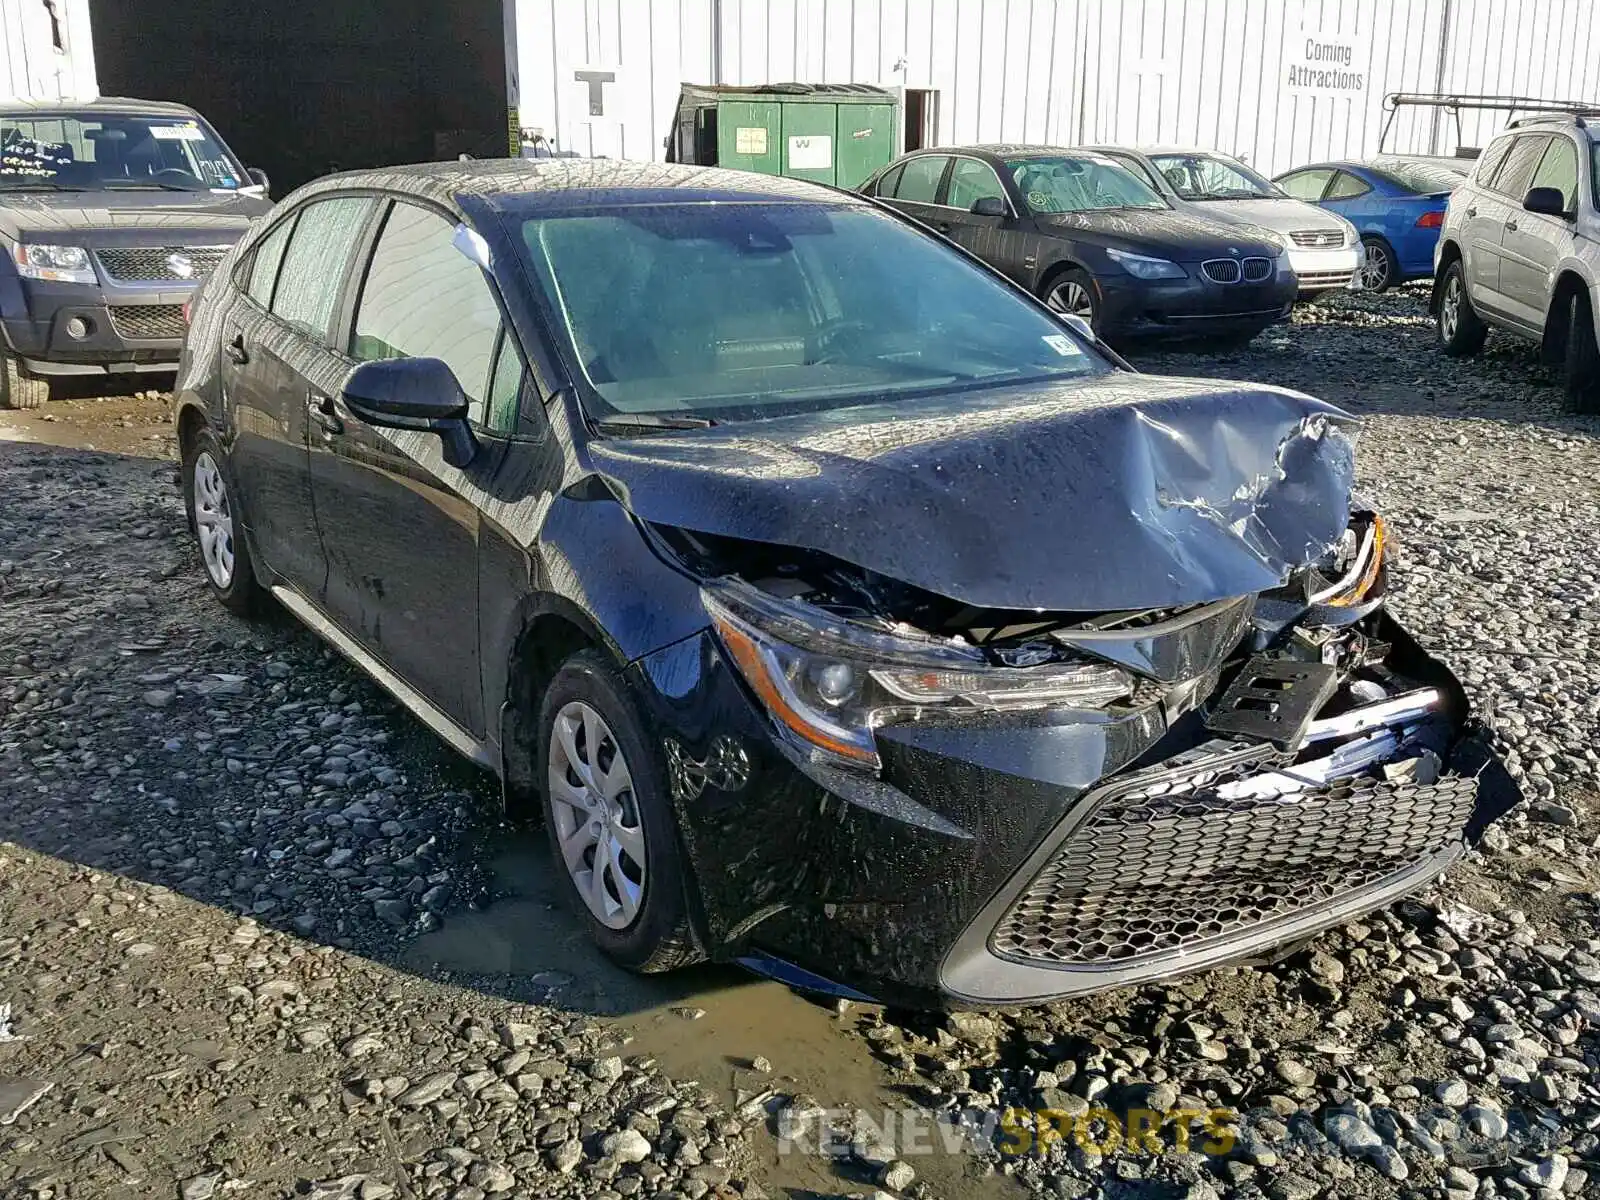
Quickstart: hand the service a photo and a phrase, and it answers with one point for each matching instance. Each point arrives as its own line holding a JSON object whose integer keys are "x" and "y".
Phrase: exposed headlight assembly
{"x": 830, "y": 683}
{"x": 1142, "y": 266}
{"x": 1361, "y": 556}
{"x": 54, "y": 264}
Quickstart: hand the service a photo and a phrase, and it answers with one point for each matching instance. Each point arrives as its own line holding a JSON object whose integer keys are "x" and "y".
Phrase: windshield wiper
{"x": 42, "y": 185}
{"x": 146, "y": 185}
{"x": 637, "y": 422}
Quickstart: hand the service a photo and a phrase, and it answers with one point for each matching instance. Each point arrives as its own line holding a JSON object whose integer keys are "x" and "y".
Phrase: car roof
{"x": 102, "y": 104}
{"x": 1010, "y": 150}
{"x": 556, "y": 184}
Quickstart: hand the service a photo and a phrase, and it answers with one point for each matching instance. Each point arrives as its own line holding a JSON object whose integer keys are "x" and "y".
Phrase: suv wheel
{"x": 1461, "y": 331}
{"x": 214, "y": 521}
{"x": 1581, "y": 370}
{"x": 18, "y": 390}
{"x": 610, "y": 821}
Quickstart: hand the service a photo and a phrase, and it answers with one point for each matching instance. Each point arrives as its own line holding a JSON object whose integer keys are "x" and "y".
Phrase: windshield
{"x": 1206, "y": 177}
{"x": 737, "y": 311}
{"x": 91, "y": 152}
{"x": 1422, "y": 179}
{"x": 1067, "y": 185}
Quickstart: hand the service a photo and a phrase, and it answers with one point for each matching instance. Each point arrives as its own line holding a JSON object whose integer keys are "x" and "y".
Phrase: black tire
{"x": 1381, "y": 272}
{"x": 1580, "y": 372}
{"x": 19, "y": 391}
{"x": 1461, "y": 331}
{"x": 1057, "y": 287}
{"x": 660, "y": 937}
{"x": 242, "y": 593}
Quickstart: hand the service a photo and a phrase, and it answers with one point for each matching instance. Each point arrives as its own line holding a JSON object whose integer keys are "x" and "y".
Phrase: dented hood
{"x": 1126, "y": 491}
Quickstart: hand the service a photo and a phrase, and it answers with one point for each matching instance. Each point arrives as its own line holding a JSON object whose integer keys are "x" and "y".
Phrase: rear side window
{"x": 423, "y": 298}
{"x": 1559, "y": 169}
{"x": 313, "y": 271}
{"x": 1306, "y": 185}
{"x": 919, "y": 183}
{"x": 264, "y": 267}
{"x": 1517, "y": 171}
{"x": 1347, "y": 187}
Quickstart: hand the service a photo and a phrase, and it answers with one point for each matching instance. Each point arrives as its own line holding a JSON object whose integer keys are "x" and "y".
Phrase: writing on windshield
{"x": 83, "y": 152}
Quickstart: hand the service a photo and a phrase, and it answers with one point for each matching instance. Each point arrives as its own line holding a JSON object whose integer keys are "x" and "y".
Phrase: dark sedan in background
{"x": 846, "y": 611}
{"x": 1396, "y": 206}
{"x": 112, "y": 212}
{"x": 1089, "y": 238}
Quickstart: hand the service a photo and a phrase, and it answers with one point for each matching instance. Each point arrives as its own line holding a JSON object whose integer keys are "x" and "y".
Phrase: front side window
{"x": 423, "y": 298}
{"x": 919, "y": 182}
{"x": 738, "y": 311}
{"x": 314, "y": 266}
{"x": 1207, "y": 177}
{"x": 1306, "y": 185}
{"x": 1063, "y": 184}
{"x": 971, "y": 181}
{"x": 1559, "y": 169}
{"x": 1517, "y": 171}
{"x": 114, "y": 152}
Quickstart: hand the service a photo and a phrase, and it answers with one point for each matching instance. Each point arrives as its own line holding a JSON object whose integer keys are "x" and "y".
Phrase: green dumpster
{"x": 829, "y": 133}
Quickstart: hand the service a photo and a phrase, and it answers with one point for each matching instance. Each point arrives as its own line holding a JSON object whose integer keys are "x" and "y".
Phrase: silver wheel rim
{"x": 596, "y": 816}
{"x": 1450, "y": 310}
{"x": 1376, "y": 270}
{"x": 213, "y": 520}
{"x": 1072, "y": 298}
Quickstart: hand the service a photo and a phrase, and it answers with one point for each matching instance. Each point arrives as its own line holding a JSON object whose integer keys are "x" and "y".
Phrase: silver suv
{"x": 1520, "y": 250}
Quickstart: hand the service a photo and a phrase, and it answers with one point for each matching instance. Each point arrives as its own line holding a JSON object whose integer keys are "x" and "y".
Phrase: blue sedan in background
{"x": 1397, "y": 205}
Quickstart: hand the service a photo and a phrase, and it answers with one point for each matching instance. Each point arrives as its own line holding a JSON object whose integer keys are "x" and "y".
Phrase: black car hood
{"x": 32, "y": 214}
{"x": 1163, "y": 232}
{"x": 1122, "y": 491}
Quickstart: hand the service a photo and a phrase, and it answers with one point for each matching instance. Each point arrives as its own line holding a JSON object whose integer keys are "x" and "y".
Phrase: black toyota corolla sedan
{"x": 846, "y": 612}
{"x": 1087, "y": 236}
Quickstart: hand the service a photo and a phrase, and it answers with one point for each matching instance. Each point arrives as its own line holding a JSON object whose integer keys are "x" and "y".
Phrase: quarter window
{"x": 890, "y": 180}
{"x": 423, "y": 298}
{"x": 1347, "y": 187}
{"x": 919, "y": 183}
{"x": 264, "y": 267}
{"x": 1559, "y": 170}
{"x": 1306, "y": 185}
{"x": 1517, "y": 170}
{"x": 1489, "y": 161}
{"x": 971, "y": 181}
{"x": 314, "y": 266}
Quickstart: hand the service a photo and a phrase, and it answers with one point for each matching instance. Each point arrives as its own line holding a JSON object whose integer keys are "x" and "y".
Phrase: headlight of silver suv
{"x": 828, "y": 683}
{"x": 55, "y": 264}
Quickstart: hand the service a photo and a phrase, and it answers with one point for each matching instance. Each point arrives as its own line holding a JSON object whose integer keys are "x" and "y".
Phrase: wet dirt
{"x": 708, "y": 1024}
{"x": 137, "y": 423}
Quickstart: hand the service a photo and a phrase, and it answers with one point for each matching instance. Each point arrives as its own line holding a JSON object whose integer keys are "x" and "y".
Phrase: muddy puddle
{"x": 707, "y": 1024}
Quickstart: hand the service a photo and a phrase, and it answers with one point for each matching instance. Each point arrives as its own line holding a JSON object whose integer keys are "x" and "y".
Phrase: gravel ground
{"x": 217, "y": 843}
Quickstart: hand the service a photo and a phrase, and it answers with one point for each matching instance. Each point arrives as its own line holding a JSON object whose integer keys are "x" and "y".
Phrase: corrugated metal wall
{"x": 1206, "y": 72}
{"x": 35, "y": 66}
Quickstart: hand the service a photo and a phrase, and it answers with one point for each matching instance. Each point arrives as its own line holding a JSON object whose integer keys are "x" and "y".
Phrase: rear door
{"x": 271, "y": 337}
{"x": 1487, "y": 215}
{"x": 1533, "y": 245}
{"x": 399, "y": 531}
{"x": 918, "y": 188}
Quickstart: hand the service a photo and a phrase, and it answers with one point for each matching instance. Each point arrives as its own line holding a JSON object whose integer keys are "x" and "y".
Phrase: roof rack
{"x": 1455, "y": 103}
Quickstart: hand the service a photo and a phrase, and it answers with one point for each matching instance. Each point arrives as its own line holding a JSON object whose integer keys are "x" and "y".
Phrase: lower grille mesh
{"x": 148, "y": 320}
{"x": 1149, "y": 874}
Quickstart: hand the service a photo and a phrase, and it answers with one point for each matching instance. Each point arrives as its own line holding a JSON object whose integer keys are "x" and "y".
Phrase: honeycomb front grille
{"x": 160, "y": 264}
{"x": 148, "y": 322}
{"x": 1149, "y": 874}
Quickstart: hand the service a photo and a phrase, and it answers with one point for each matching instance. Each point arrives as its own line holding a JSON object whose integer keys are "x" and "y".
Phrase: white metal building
{"x": 48, "y": 52}
{"x": 1279, "y": 82}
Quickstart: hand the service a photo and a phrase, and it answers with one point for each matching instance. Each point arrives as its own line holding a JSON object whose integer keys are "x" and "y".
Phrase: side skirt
{"x": 482, "y": 754}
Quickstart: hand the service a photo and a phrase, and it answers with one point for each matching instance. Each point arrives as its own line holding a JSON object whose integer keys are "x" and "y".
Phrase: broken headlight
{"x": 1356, "y": 563}
{"x": 830, "y": 683}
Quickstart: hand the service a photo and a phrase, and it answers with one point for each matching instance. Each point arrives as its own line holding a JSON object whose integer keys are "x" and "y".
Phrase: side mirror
{"x": 1078, "y": 325}
{"x": 259, "y": 178}
{"x": 1547, "y": 201}
{"x": 420, "y": 394}
{"x": 989, "y": 206}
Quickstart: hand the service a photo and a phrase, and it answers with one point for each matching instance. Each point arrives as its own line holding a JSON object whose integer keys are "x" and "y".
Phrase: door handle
{"x": 1471, "y": 212}
{"x": 323, "y": 414}
{"x": 1511, "y": 226}
{"x": 235, "y": 350}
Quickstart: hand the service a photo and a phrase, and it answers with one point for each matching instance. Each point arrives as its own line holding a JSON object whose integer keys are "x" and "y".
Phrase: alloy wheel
{"x": 597, "y": 823}
{"x": 1450, "y": 308}
{"x": 1375, "y": 271}
{"x": 213, "y": 520}
{"x": 1072, "y": 298}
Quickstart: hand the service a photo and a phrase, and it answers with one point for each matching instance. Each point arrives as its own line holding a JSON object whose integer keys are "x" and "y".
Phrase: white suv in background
{"x": 1520, "y": 250}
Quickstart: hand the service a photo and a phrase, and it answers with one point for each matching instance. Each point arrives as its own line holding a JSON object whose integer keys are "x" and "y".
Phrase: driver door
{"x": 1000, "y": 241}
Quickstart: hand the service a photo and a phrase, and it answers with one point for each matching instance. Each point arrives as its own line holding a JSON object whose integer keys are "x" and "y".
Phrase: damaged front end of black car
{"x": 1013, "y": 703}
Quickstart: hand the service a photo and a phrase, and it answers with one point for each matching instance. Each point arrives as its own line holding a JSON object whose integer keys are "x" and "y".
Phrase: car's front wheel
{"x": 610, "y": 820}
{"x": 19, "y": 391}
{"x": 1072, "y": 293}
{"x": 214, "y": 520}
{"x": 1581, "y": 370}
{"x": 1461, "y": 331}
